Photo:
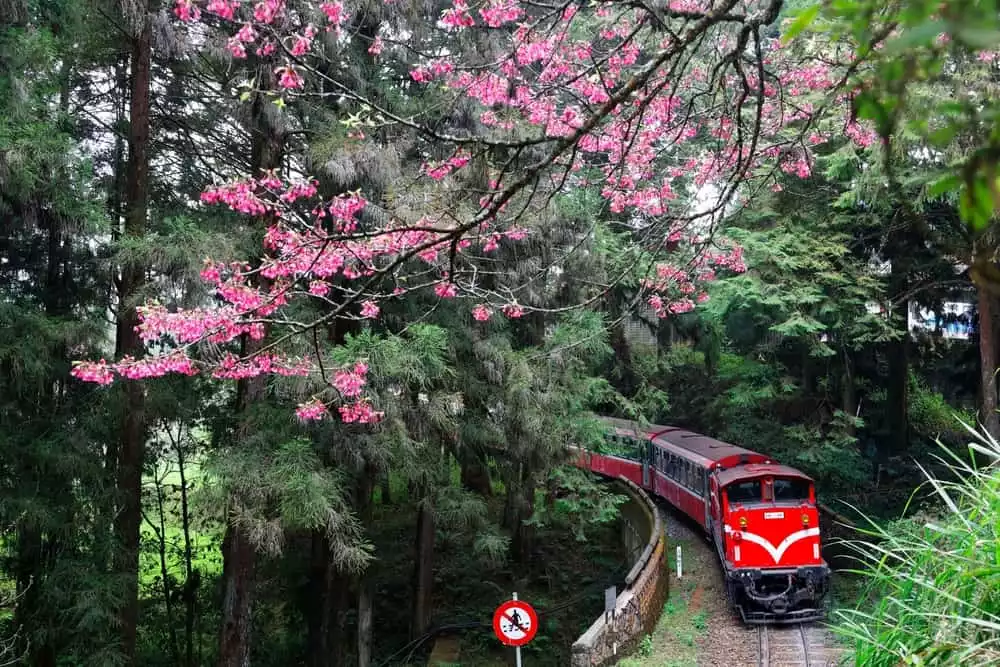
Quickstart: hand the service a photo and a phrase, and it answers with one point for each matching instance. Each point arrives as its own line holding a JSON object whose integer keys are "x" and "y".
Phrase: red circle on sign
{"x": 515, "y": 623}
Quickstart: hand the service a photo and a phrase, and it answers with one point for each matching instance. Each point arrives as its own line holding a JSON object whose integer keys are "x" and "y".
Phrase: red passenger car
{"x": 760, "y": 515}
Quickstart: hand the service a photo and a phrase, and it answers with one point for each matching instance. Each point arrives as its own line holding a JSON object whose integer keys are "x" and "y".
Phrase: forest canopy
{"x": 284, "y": 283}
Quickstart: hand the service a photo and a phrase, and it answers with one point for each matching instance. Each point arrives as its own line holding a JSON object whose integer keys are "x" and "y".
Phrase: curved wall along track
{"x": 639, "y": 604}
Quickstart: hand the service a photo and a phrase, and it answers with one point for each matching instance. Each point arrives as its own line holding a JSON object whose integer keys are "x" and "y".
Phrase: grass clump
{"x": 932, "y": 594}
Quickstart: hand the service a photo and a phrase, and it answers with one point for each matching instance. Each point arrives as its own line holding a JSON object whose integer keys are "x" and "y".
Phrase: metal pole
{"x": 517, "y": 649}
{"x": 680, "y": 566}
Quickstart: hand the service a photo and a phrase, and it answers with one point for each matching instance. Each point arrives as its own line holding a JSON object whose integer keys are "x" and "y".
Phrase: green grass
{"x": 673, "y": 642}
{"x": 932, "y": 581}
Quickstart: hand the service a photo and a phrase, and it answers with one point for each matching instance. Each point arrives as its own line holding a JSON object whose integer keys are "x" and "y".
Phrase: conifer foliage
{"x": 281, "y": 277}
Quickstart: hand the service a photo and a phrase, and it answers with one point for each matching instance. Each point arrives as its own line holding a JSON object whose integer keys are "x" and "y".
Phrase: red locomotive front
{"x": 769, "y": 540}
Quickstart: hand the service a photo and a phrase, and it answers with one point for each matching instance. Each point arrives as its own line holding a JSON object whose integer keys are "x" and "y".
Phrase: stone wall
{"x": 639, "y": 605}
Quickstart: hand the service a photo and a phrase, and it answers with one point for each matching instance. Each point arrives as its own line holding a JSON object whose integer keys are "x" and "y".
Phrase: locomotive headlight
{"x": 743, "y": 522}
{"x": 805, "y": 519}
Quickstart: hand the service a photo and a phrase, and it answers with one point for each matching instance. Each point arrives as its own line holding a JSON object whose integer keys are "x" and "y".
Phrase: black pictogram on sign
{"x": 515, "y": 623}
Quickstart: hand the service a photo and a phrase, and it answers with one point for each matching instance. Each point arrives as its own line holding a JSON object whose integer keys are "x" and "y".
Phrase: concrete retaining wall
{"x": 639, "y": 605}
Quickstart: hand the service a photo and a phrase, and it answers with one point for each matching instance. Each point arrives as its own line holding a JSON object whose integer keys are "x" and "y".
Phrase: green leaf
{"x": 944, "y": 184}
{"x": 979, "y": 37}
{"x": 943, "y": 135}
{"x": 921, "y": 35}
{"x": 800, "y": 23}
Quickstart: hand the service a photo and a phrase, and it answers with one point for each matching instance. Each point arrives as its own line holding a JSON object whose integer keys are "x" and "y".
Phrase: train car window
{"x": 744, "y": 492}
{"x": 790, "y": 489}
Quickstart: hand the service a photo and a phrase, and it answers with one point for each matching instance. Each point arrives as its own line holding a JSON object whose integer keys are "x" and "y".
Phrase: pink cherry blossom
{"x": 187, "y": 10}
{"x": 314, "y": 410}
{"x": 446, "y": 290}
{"x": 513, "y": 311}
{"x": 369, "y": 309}
{"x": 98, "y": 372}
{"x": 334, "y": 11}
{"x": 224, "y": 9}
{"x": 481, "y": 313}
{"x": 289, "y": 78}
{"x": 360, "y": 412}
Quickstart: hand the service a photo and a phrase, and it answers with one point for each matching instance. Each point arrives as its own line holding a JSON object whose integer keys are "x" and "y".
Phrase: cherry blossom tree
{"x": 674, "y": 114}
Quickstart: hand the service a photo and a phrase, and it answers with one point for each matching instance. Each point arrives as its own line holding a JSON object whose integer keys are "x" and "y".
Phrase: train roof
{"x": 702, "y": 445}
{"x": 755, "y": 470}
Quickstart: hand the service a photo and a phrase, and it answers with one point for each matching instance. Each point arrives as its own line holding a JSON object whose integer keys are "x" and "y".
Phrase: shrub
{"x": 933, "y": 582}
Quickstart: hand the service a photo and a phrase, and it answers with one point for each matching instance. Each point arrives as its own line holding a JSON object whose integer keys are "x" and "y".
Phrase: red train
{"x": 761, "y": 516}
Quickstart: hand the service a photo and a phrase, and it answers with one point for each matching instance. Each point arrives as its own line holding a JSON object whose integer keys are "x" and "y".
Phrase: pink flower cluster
{"x": 350, "y": 382}
{"x": 91, "y": 371}
{"x": 360, "y": 412}
{"x": 558, "y": 68}
{"x": 234, "y": 368}
{"x": 496, "y": 13}
{"x": 457, "y": 16}
{"x": 438, "y": 172}
{"x": 672, "y": 289}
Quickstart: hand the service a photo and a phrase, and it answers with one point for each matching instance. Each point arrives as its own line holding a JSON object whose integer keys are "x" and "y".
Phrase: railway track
{"x": 803, "y": 645}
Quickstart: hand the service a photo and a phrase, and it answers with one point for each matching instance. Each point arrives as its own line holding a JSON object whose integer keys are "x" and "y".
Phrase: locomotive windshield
{"x": 744, "y": 492}
{"x": 790, "y": 489}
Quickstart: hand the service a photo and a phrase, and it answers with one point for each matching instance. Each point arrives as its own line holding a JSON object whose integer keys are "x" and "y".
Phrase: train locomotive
{"x": 761, "y": 516}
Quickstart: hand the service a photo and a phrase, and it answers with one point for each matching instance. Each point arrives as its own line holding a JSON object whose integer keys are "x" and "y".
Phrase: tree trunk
{"x": 191, "y": 581}
{"x": 239, "y": 575}
{"x": 523, "y": 541}
{"x": 339, "y": 603}
{"x": 131, "y": 443}
{"x": 318, "y": 602}
{"x": 168, "y": 597}
{"x": 849, "y": 399}
{"x": 423, "y": 570}
{"x": 385, "y": 484}
{"x": 364, "y": 625}
{"x": 988, "y": 362}
{"x": 475, "y": 475}
{"x": 897, "y": 396}
{"x": 238, "y": 569}
{"x": 364, "y": 505}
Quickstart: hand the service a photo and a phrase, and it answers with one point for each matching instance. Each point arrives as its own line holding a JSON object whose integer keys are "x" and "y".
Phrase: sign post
{"x": 515, "y": 624}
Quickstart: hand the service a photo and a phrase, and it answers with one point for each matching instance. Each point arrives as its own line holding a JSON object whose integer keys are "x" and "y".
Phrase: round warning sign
{"x": 515, "y": 623}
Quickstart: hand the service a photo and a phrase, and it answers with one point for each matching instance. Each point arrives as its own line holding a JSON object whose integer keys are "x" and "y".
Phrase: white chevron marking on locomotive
{"x": 776, "y": 554}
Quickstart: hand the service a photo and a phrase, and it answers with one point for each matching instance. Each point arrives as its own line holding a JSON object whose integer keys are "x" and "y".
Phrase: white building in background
{"x": 956, "y": 321}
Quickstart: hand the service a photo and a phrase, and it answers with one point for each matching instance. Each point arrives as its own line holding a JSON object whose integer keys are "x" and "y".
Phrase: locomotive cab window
{"x": 744, "y": 492}
{"x": 790, "y": 489}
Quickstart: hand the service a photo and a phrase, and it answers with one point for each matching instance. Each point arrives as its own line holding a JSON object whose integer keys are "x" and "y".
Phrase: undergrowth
{"x": 933, "y": 580}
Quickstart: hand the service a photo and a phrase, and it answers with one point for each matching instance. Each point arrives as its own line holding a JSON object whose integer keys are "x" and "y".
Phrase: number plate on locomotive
{"x": 774, "y": 515}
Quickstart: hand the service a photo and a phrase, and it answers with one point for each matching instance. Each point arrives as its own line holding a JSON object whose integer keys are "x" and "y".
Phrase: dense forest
{"x": 301, "y": 303}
